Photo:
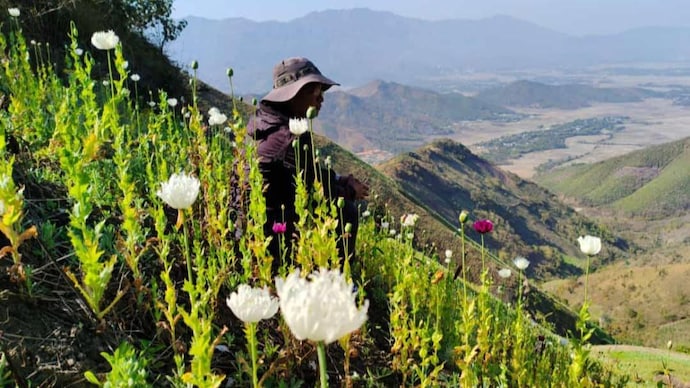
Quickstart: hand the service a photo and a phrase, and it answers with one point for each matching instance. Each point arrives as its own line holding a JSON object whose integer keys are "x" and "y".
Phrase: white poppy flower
{"x": 521, "y": 263}
{"x": 252, "y": 304}
{"x": 135, "y": 77}
{"x": 322, "y": 309}
{"x": 180, "y": 191}
{"x": 78, "y": 51}
{"x": 14, "y": 12}
{"x": 409, "y": 220}
{"x": 298, "y": 126}
{"x": 215, "y": 117}
{"x": 589, "y": 245}
{"x": 449, "y": 254}
{"x": 504, "y": 273}
{"x": 104, "y": 40}
{"x": 366, "y": 213}
{"x": 172, "y": 102}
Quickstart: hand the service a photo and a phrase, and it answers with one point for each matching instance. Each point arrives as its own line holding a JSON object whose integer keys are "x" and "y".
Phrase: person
{"x": 297, "y": 85}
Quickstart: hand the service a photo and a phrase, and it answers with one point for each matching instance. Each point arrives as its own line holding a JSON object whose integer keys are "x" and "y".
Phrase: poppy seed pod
{"x": 311, "y": 112}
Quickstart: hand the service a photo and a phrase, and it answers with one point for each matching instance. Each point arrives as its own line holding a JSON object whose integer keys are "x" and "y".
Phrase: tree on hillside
{"x": 151, "y": 18}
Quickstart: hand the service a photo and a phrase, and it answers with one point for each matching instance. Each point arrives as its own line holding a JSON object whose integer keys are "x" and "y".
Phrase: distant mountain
{"x": 359, "y": 45}
{"x": 653, "y": 182}
{"x": 395, "y": 118}
{"x": 534, "y": 94}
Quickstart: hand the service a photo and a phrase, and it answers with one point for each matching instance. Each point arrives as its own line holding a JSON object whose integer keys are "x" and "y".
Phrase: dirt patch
{"x": 46, "y": 340}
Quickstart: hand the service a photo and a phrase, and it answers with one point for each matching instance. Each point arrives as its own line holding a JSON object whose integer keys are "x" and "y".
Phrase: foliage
{"x": 151, "y": 17}
{"x": 632, "y": 183}
{"x": 128, "y": 369}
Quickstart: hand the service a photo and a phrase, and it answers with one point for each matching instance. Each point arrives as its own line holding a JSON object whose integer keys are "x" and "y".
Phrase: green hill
{"x": 534, "y": 94}
{"x": 653, "y": 182}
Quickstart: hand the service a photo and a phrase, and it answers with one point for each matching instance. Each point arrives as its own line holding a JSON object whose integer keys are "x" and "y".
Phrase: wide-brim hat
{"x": 290, "y": 75}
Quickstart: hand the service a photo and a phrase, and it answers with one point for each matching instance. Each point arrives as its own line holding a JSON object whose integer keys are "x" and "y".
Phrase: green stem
{"x": 321, "y": 348}
{"x": 519, "y": 301}
{"x": 185, "y": 244}
{"x": 464, "y": 272}
{"x": 586, "y": 277}
{"x": 110, "y": 78}
{"x": 251, "y": 343}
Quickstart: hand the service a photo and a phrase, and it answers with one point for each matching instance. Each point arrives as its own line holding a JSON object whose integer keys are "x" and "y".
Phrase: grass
{"x": 644, "y": 364}
{"x": 640, "y": 304}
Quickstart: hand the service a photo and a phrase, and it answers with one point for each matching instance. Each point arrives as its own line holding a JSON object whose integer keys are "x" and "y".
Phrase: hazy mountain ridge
{"x": 395, "y": 117}
{"x": 653, "y": 182}
{"x": 358, "y": 45}
{"x": 526, "y": 93}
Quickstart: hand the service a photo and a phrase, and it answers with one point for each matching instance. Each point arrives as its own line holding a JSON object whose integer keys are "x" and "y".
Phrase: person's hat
{"x": 290, "y": 75}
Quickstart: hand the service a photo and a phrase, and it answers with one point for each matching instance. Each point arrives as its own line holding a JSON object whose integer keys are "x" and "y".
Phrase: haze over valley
{"x": 479, "y": 59}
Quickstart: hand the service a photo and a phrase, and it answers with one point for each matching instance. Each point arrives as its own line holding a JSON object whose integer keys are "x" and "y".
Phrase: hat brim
{"x": 289, "y": 91}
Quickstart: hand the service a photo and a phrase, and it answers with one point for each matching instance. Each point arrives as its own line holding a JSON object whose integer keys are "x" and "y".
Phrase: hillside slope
{"x": 653, "y": 182}
{"x": 446, "y": 177}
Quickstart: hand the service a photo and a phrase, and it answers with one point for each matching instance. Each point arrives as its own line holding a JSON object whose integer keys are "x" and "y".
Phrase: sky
{"x": 575, "y": 17}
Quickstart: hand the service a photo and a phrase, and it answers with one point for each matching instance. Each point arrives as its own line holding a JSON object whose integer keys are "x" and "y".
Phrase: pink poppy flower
{"x": 279, "y": 227}
{"x": 483, "y": 226}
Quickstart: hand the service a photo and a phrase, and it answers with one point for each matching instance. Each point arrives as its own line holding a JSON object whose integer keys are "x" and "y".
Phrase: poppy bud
{"x": 229, "y": 72}
{"x": 195, "y": 65}
{"x": 311, "y": 112}
{"x": 463, "y": 216}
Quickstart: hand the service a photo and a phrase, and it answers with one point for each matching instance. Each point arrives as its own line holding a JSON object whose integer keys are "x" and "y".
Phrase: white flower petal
{"x": 521, "y": 263}
{"x": 180, "y": 191}
{"x": 298, "y": 126}
{"x": 104, "y": 40}
{"x": 322, "y": 309}
{"x": 589, "y": 245}
{"x": 252, "y": 304}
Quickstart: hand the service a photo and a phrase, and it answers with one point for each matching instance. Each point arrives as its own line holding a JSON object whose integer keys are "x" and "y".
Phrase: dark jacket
{"x": 277, "y": 162}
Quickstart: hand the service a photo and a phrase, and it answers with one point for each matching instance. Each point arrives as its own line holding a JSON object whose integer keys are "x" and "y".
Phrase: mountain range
{"x": 359, "y": 45}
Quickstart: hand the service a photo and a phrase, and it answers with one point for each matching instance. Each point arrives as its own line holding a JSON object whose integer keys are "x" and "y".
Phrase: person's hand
{"x": 361, "y": 189}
